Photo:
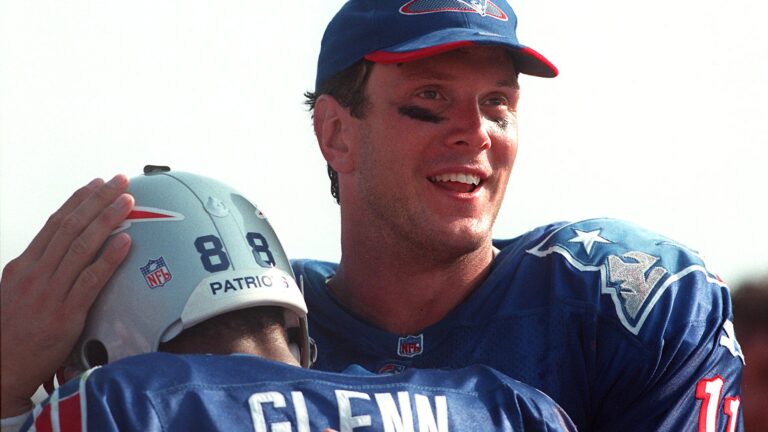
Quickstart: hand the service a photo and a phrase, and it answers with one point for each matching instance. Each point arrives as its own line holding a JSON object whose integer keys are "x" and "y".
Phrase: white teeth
{"x": 460, "y": 178}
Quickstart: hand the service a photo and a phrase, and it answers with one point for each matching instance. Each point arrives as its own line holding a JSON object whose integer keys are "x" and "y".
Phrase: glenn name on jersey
{"x": 159, "y": 391}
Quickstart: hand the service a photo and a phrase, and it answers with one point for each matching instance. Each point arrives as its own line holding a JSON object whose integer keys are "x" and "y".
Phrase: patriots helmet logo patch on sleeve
{"x": 635, "y": 265}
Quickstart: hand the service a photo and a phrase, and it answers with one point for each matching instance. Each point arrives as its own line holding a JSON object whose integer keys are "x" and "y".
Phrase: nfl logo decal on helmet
{"x": 156, "y": 273}
{"x": 410, "y": 346}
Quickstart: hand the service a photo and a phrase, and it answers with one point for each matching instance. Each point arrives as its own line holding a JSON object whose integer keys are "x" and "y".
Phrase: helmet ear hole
{"x": 95, "y": 353}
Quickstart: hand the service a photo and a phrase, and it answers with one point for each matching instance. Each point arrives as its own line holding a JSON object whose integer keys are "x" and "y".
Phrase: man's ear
{"x": 334, "y": 129}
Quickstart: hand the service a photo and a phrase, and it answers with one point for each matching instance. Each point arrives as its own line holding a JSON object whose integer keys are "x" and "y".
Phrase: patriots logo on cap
{"x": 410, "y": 346}
{"x": 481, "y": 7}
{"x": 156, "y": 273}
{"x": 147, "y": 214}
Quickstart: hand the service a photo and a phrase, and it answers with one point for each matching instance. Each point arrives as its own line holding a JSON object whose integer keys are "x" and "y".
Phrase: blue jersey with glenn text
{"x": 625, "y": 329}
{"x": 166, "y": 392}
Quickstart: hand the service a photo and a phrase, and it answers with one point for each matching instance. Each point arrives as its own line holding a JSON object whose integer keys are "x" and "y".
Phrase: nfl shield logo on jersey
{"x": 410, "y": 346}
{"x": 156, "y": 273}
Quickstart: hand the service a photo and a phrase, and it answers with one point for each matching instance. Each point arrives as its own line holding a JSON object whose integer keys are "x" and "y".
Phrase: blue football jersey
{"x": 625, "y": 329}
{"x": 167, "y": 392}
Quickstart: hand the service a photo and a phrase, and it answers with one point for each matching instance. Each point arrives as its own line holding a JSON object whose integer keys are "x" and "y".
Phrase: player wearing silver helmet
{"x": 200, "y": 250}
{"x": 207, "y": 275}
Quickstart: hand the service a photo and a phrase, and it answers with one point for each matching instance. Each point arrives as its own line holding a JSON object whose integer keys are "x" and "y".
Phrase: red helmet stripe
{"x": 144, "y": 214}
{"x": 148, "y": 214}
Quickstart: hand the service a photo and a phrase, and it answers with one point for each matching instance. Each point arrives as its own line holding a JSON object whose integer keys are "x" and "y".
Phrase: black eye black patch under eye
{"x": 419, "y": 113}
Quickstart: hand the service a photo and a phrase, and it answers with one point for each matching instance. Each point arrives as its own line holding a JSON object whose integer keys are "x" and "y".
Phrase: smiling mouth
{"x": 456, "y": 182}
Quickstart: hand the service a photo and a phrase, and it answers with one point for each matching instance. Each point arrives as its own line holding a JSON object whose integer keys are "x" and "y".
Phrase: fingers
{"x": 84, "y": 247}
{"x": 46, "y": 292}
{"x": 68, "y": 252}
{"x": 38, "y": 245}
{"x": 91, "y": 280}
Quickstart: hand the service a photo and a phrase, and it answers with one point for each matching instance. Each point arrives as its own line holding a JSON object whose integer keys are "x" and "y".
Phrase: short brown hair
{"x": 202, "y": 337}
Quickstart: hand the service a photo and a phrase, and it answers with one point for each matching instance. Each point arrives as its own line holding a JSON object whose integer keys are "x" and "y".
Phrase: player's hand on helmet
{"x": 48, "y": 289}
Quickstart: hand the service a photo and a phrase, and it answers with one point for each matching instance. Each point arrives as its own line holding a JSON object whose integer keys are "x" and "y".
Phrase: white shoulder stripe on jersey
{"x": 83, "y": 400}
{"x": 53, "y": 402}
{"x": 35, "y": 413}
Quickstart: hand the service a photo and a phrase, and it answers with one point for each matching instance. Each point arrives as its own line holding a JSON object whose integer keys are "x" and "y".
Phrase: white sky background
{"x": 659, "y": 115}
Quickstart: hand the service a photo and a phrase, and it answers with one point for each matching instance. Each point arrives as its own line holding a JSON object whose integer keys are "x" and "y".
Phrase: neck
{"x": 270, "y": 343}
{"x": 403, "y": 291}
{"x": 268, "y": 346}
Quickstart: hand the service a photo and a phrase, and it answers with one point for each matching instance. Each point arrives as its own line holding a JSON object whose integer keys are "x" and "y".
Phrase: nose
{"x": 469, "y": 126}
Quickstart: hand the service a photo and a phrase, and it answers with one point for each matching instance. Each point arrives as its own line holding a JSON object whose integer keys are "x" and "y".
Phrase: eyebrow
{"x": 509, "y": 83}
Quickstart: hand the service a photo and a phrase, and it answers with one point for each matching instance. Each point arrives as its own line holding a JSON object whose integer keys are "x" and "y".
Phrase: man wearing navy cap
{"x": 415, "y": 112}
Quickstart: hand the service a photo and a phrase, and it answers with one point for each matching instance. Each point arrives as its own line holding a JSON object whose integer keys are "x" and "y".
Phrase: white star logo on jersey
{"x": 729, "y": 341}
{"x": 588, "y": 239}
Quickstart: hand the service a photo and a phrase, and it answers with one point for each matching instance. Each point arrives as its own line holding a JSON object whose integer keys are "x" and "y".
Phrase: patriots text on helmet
{"x": 235, "y": 284}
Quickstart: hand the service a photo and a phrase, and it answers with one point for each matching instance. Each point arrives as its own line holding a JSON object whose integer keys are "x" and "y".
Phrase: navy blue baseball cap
{"x": 398, "y": 31}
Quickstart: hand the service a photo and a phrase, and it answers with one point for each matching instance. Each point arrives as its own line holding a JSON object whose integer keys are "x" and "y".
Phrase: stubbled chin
{"x": 464, "y": 220}
{"x": 466, "y": 229}
{"x": 461, "y": 241}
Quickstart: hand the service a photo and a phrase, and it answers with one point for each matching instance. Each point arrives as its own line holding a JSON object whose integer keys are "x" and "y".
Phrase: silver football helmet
{"x": 200, "y": 249}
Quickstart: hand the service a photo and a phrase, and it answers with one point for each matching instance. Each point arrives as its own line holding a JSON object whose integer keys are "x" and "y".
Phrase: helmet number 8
{"x": 260, "y": 249}
{"x": 215, "y": 259}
